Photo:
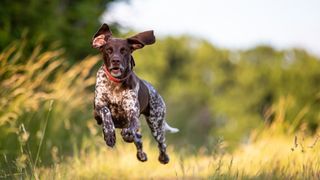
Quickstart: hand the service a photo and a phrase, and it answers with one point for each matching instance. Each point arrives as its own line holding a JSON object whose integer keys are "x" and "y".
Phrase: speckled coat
{"x": 122, "y": 97}
{"x": 124, "y": 102}
{"x": 128, "y": 100}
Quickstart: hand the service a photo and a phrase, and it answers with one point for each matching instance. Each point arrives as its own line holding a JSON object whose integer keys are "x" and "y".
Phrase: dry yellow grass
{"x": 271, "y": 157}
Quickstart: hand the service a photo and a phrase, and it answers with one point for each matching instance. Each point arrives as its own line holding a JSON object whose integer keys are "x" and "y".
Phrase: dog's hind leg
{"x": 132, "y": 132}
{"x": 156, "y": 124}
{"x": 142, "y": 156}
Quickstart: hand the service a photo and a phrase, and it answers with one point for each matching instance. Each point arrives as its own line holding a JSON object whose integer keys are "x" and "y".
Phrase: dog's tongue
{"x": 115, "y": 71}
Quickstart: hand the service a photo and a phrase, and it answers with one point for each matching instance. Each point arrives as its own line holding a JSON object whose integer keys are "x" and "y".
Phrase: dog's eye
{"x": 123, "y": 50}
{"x": 109, "y": 50}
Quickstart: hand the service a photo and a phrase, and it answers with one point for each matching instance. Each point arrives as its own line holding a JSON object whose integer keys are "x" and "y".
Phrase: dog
{"x": 121, "y": 97}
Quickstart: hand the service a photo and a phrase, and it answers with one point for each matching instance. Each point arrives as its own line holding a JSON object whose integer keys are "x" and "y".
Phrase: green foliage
{"x": 70, "y": 23}
{"x": 212, "y": 92}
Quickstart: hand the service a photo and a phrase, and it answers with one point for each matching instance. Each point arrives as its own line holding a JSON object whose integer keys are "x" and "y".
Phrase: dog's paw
{"x": 110, "y": 137}
{"x": 142, "y": 156}
{"x": 163, "y": 158}
{"x": 128, "y": 135}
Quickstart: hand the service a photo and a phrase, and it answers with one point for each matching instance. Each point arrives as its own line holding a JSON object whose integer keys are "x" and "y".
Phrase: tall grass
{"x": 44, "y": 106}
{"x": 270, "y": 157}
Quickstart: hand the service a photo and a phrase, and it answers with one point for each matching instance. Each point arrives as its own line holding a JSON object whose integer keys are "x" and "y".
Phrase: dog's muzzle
{"x": 116, "y": 71}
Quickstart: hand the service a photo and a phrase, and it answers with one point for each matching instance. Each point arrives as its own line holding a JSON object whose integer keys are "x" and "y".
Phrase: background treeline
{"x": 52, "y": 23}
{"x": 214, "y": 93}
{"x": 47, "y": 76}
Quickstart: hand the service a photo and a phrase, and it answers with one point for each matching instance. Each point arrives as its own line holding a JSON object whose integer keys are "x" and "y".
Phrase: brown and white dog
{"x": 120, "y": 96}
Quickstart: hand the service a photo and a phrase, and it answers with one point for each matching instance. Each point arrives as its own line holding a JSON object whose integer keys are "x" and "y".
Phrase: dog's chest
{"x": 121, "y": 102}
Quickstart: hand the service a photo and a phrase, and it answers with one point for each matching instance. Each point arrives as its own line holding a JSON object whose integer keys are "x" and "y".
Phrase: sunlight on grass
{"x": 271, "y": 157}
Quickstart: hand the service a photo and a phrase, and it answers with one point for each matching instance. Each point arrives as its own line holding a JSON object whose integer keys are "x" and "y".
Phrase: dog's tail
{"x": 169, "y": 128}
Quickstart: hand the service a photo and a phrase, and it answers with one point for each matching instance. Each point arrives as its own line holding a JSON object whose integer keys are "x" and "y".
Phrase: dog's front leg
{"x": 134, "y": 131}
{"x": 107, "y": 126}
{"x": 102, "y": 113}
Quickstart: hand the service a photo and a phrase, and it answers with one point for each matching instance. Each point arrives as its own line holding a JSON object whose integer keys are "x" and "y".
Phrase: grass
{"x": 270, "y": 157}
{"x": 47, "y": 132}
{"x": 42, "y": 100}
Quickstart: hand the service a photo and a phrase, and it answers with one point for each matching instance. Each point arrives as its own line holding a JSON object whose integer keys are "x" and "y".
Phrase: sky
{"x": 236, "y": 24}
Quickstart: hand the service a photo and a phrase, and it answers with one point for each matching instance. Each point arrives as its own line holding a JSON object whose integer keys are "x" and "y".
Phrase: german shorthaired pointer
{"x": 120, "y": 96}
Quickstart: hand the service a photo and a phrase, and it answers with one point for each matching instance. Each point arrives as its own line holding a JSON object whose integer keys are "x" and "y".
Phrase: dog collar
{"x": 114, "y": 79}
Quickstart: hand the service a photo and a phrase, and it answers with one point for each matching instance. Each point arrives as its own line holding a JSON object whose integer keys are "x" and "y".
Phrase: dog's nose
{"x": 115, "y": 61}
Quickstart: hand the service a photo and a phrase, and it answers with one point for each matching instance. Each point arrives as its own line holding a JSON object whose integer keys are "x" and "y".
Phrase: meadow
{"x": 47, "y": 130}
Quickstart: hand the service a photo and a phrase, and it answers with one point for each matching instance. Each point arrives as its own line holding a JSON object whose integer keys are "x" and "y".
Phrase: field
{"x": 47, "y": 132}
{"x": 270, "y": 157}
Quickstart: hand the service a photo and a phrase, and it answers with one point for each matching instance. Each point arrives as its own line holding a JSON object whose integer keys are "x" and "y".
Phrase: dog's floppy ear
{"x": 140, "y": 40}
{"x": 101, "y": 37}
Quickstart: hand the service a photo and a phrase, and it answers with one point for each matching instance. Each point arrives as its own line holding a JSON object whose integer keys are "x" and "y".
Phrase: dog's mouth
{"x": 115, "y": 71}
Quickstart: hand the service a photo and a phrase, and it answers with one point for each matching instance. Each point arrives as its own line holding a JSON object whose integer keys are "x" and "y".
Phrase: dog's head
{"x": 117, "y": 52}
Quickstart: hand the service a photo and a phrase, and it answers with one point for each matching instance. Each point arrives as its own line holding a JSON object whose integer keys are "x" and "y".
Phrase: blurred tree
{"x": 212, "y": 92}
{"x": 70, "y": 23}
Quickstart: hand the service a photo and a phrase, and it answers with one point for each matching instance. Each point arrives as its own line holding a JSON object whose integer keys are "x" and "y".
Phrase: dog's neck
{"x": 114, "y": 79}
